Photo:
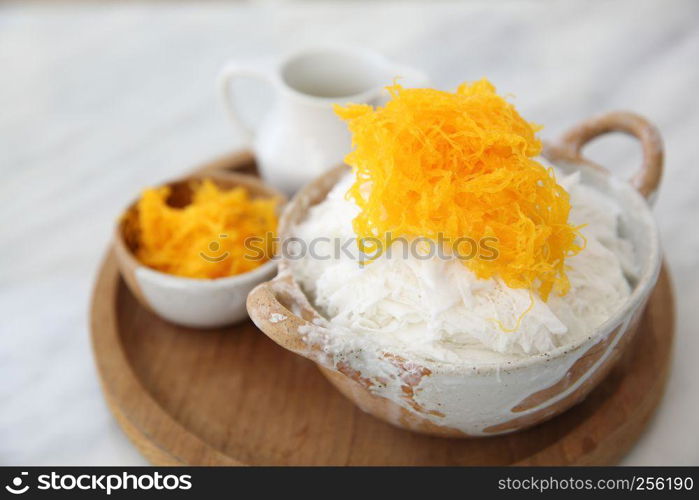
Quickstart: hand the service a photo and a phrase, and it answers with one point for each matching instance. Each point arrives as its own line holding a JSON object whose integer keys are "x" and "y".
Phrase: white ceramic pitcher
{"x": 301, "y": 137}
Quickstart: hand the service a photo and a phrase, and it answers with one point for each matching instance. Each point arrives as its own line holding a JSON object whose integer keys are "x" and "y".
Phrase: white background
{"x": 98, "y": 101}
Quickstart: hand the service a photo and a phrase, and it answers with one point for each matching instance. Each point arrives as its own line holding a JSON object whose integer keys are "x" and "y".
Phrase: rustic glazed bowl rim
{"x": 232, "y": 178}
{"x": 648, "y": 273}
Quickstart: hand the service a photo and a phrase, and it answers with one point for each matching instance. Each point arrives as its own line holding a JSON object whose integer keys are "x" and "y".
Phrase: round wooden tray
{"x": 233, "y": 397}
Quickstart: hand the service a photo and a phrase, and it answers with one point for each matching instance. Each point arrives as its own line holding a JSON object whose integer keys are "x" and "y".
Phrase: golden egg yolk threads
{"x": 206, "y": 238}
{"x": 461, "y": 164}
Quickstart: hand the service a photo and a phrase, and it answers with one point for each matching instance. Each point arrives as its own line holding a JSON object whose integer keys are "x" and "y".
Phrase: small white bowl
{"x": 197, "y": 303}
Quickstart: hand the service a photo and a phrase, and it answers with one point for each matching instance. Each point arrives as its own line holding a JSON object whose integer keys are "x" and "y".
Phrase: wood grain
{"x": 232, "y": 397}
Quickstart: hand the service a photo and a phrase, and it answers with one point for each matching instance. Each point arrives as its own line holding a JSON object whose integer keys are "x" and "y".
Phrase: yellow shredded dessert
{"x": 461, "y": 164}
{"x": 206, "y": 238}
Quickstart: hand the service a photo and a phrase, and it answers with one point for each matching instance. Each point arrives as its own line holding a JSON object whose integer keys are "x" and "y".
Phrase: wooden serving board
{"x": 231, "y": 396}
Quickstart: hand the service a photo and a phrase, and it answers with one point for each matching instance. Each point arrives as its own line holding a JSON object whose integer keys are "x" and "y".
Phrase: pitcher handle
{"x": 237, "y": 69}
{"x": 647, "y": 180}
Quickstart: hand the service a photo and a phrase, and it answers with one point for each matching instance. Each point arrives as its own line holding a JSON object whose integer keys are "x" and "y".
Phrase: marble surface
{"x": 97, "y": 101}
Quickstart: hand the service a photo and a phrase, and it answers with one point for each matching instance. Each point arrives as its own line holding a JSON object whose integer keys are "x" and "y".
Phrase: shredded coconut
{"x": 439, "y": 309}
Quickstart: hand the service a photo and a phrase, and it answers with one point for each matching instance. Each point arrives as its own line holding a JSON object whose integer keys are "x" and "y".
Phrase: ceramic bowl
{"x": 463, "y": 400}
{"x": 198, "y": 303}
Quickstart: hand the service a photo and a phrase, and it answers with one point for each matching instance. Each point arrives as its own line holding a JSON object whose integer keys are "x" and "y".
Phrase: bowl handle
{"x": 279, "y": 308}
{"x": 569, "y": 146}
